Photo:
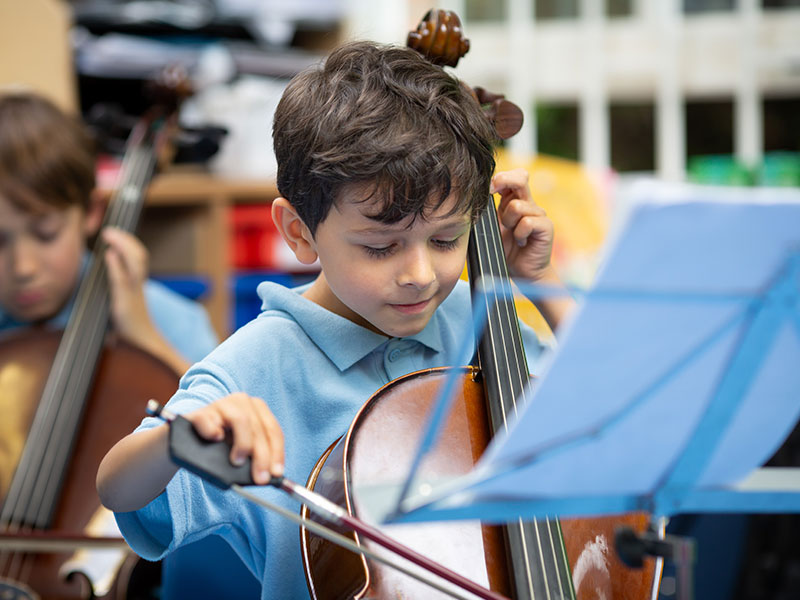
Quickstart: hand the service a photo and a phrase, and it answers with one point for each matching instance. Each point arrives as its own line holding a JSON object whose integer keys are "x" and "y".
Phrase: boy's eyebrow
{"x": 443, "y": 223}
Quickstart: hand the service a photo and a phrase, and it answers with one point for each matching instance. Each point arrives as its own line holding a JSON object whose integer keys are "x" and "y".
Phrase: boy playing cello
{"x": 384, "y": 162}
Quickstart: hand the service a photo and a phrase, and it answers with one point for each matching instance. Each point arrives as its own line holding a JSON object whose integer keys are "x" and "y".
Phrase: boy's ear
{"x": 294, "y": 231}
{"x": 94, "y": 214}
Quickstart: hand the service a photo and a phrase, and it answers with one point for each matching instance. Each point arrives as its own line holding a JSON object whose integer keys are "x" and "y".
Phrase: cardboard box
{"x": 36, "y": 51}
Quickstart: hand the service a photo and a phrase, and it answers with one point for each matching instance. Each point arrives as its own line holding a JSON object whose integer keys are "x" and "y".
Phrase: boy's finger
{"x": 261, "y": 460}
{"x": 270, "y": 432}
{"x": 113, "y": 266}
{"x": 132, "y": 253}
{"x": 276, "y": 444}
{"x": 516, "y": 180}
{"x": 207, "y": 425}
{"x": 531, "y": 226}
{"x": 237, "y": 420}
{"x": 516, "y": 209}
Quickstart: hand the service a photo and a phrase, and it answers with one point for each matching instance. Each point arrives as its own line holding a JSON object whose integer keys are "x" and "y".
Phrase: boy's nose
{"x": 24, "y": 259}
{"x": 418, "y": 269}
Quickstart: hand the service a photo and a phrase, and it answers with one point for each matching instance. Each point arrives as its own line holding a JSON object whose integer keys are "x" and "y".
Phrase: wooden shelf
{"x": 186, "y": 226}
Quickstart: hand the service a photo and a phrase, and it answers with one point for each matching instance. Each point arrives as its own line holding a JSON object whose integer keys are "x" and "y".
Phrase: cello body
{"x": 379, "y": 446}
{"x": 125, "y": 378}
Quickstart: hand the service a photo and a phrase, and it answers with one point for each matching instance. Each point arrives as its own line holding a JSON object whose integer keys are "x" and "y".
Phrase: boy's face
{"x": 40, "y": 259}
{"x": 388, "y": 278}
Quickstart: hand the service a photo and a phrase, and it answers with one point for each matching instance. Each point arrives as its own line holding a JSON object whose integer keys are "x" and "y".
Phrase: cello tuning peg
{"x": 506, "y": 116}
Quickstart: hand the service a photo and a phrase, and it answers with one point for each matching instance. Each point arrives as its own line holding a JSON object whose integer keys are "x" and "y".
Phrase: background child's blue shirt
{"x": 315, "y": 369}
{"x": 183, "y": 322}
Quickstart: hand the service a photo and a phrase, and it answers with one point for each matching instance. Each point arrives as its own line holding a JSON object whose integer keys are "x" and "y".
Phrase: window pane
{"x": 632, "y": 136}
{"x": 710, "y": 144}
{"x": 556, "y": 9}
{"x": 557, "y": 130}
{"x": 709, "y": 127}
{"x": 485, "y": 10}
{"x": 619, "y": 8}
{"x": 780, "y": 3}
{"x": 700, "y": 6}
{"x": 782, "y": 124}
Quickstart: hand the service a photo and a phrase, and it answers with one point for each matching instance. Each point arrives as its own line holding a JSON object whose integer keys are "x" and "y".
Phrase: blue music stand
{"x": 677, "y": 377}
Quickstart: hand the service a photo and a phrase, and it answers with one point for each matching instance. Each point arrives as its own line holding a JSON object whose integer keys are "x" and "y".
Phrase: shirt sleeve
{"x": 183, "y": 322}
{"x": 189, "y": 508}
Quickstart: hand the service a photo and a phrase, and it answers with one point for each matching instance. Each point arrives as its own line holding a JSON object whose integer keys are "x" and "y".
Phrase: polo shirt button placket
{"x": 392, "y": 361}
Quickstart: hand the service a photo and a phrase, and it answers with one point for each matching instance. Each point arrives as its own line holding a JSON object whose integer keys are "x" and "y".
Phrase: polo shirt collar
{"x": 342, "y": 341}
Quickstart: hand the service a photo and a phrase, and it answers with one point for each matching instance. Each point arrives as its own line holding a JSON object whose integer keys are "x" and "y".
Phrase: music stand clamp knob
{"x": 632, "y": 547}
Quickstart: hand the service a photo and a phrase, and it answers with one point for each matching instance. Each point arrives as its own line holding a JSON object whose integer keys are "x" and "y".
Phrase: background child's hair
{"x": 382, "y": 115}
{"x": 46, "y": 156}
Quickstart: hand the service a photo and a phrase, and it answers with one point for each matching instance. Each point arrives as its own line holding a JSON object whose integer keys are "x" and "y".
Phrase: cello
{"x": 547, "y": 558}
{"x": 67, "y": 398}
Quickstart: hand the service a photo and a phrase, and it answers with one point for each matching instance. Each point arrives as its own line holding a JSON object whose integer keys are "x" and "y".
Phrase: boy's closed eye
{"x": 451, "y": 244}
{"x": 47, "y": 228}
{"x": 378, "y": 252}
{"x": 439, "y": 244}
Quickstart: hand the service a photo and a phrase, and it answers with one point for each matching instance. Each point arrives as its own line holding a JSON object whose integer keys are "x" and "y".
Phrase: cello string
{"x": 22, "y": 563}
{"x": 530, "y": 537}
{"x": 13, "y": 511}
{"x": 557, "y": 541}
{"x": 123, "y": 215}
{"x": 83, "y": 343}
{"x": 53, "y": 398}
{"x": 43, "y": 421}
{"x": 492, "y": 252}
{"x": 53, "y": 401}
{"x": 486, "y": 266}
{"x": 522, "y": 376}
{"x": 522, "y": 390}
{"x": 555, "y": 536}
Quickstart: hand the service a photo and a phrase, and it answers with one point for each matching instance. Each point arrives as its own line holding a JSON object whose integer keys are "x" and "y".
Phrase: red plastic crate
{"x": 254, "y": 237}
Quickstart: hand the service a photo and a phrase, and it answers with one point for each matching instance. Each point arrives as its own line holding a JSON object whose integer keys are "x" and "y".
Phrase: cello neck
{"x": 538, "y": 561}
{"x": 504, "y": 367}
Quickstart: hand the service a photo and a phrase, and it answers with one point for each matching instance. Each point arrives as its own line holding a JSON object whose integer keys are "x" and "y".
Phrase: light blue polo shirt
{"x": 315, "y": 369}
{"x": 183, "y": 322}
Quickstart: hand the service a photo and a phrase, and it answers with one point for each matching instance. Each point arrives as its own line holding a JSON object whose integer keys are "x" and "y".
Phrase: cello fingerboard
{"x": 539, "y": 566}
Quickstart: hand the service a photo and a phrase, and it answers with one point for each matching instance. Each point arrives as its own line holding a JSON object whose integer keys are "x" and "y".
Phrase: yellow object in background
{"x": 575, "y": 203}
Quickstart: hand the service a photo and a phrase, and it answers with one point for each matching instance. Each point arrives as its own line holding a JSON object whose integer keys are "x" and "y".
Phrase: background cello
{"x": 541, "y": 562}
{"x": 47, "y": 385}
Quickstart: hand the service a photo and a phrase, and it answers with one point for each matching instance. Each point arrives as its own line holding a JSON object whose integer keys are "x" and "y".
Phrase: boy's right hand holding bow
{"x": 138, "y": 468}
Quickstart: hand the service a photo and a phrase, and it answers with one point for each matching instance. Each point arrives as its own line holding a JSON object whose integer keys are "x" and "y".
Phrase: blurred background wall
{"x": 684, "y": 90}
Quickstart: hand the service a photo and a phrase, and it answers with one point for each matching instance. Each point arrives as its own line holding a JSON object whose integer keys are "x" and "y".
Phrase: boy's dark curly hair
{"x": 385, "y": 116}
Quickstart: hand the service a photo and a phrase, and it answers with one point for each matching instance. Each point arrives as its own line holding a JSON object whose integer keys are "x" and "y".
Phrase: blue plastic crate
{"x": 247, "y": 304}
{"x": 190, "y": 286}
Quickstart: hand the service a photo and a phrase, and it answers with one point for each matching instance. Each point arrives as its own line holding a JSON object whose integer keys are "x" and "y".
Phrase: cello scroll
{"x": 440, "y": 38}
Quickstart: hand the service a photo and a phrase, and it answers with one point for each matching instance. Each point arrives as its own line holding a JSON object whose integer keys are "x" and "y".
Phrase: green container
{"x": 780, "y": 169}
{"x": 722, "y": 169}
